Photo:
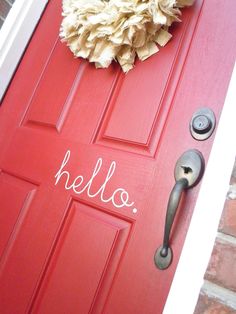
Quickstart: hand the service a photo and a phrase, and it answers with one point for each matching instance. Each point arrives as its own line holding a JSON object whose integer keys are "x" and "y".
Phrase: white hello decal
{"x": 119, "y": 198}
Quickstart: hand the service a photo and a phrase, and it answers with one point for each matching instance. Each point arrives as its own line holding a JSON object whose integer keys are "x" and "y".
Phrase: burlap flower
{"x": 102, "y": 31}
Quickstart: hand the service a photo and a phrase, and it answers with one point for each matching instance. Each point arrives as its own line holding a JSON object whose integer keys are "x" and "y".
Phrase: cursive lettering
{"x": 119, "y": 198}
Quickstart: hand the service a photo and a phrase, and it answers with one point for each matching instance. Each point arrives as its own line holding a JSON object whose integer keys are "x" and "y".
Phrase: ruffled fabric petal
{"x": 106, "y": 30}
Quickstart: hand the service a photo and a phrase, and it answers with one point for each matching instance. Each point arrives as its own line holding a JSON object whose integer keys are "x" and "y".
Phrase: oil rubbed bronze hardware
{"x": 202, "y": 124}
{"x": 188, "y": 172}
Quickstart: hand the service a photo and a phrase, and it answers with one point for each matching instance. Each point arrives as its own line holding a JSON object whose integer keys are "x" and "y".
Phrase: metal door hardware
{"x": 202, "y": 124}
{"x": 188, "y": 172}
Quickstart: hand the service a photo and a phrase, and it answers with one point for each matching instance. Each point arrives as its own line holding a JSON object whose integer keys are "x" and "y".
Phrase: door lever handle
{"x": 172, "y": 206}
{"x": 188, "y": 172}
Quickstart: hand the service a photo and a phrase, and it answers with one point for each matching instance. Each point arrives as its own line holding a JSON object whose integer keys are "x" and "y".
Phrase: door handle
{"x": 189, "y": 169}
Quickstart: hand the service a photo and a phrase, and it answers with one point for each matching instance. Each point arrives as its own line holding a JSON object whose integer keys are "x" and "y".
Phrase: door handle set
{"x": 188, "y": 172}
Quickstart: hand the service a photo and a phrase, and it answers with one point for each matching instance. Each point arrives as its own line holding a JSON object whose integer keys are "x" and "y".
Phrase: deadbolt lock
{"x": 202, "y": 124}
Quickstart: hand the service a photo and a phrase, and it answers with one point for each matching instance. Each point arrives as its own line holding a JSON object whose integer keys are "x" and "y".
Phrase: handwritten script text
{"x": 119, "y": 198}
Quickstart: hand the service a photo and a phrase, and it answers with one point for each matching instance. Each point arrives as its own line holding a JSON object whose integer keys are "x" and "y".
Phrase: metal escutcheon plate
{"x": 163, "y": 262}
{"x": 191, "y": 166}
{"x": 202, "y": 124}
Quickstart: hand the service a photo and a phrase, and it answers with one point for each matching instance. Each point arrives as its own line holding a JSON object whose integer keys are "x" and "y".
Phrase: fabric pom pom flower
{"x": 102, "y": 31}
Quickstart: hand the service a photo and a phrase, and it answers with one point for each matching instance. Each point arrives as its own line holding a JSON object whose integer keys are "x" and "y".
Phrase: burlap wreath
{"x": 102, "y": 31}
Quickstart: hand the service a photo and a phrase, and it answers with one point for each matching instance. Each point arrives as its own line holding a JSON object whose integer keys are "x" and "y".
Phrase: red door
{"x": 87, "y": 165}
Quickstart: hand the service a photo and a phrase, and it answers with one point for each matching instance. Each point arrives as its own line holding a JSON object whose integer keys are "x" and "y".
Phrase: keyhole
{"x": 201, "y": 124}
{"x": 187, "y": 169}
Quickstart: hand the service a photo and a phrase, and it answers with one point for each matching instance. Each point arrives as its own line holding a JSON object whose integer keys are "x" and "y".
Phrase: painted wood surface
{"x": 68, "y": 252}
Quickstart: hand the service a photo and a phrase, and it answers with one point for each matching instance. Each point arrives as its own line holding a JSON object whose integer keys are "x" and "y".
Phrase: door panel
{"x": 150, "y": 94}
{"x": 99, "y": 239}
{"x": 48, "y": 103}
{"x": 87, "y": 160}
{"x": 15, "y": 195}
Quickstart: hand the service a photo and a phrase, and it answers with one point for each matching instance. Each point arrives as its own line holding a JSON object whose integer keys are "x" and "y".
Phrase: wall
{"x": 218, "y": 293}
{"x": 5, "y": 7}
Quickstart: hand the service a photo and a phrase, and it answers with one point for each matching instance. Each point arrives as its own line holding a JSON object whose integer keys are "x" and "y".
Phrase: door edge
{"x": 14, "y": 36}
{"x": 199, "y": 242}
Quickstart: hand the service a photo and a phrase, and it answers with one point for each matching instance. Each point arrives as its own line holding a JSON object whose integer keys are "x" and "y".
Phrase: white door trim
{"x": 14, "y": 36}
{"x": 202, "y": 231}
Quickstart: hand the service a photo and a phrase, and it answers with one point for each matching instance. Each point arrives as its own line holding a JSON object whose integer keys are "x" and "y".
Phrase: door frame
{"x": 188, "y": 279}
{"x": 14, "y": 36}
